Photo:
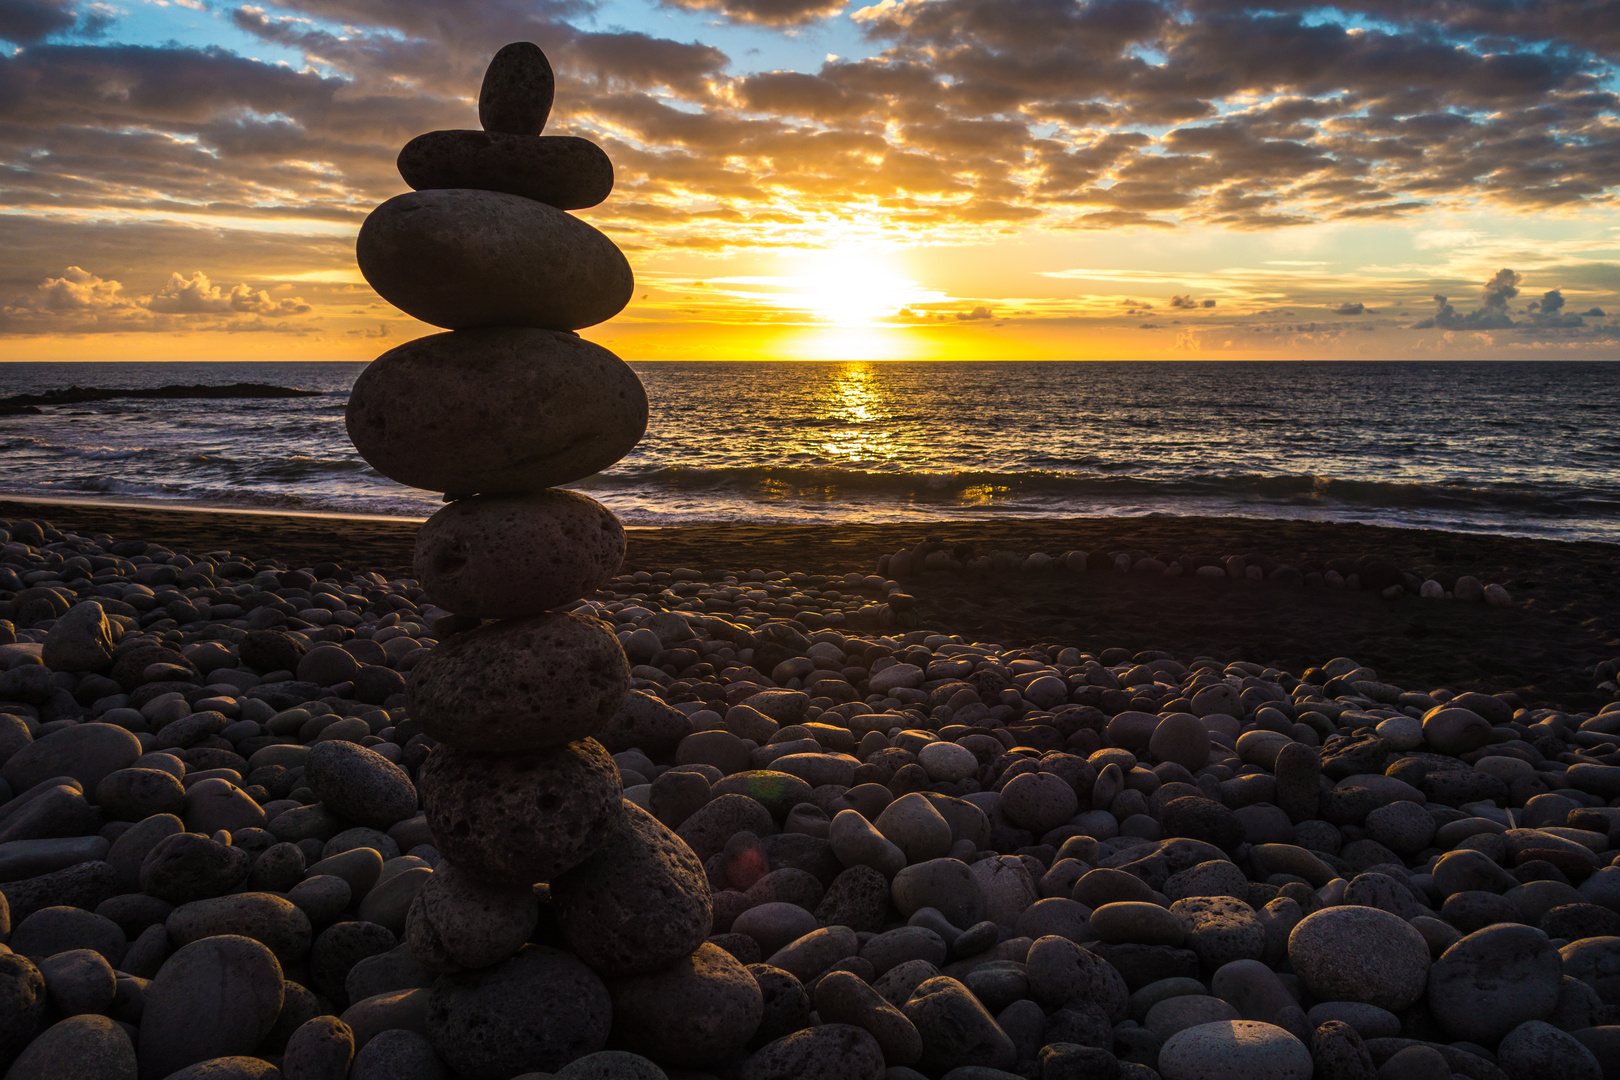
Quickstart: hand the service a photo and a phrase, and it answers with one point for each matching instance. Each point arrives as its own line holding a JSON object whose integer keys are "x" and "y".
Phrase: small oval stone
{"x": 517, "y": 91}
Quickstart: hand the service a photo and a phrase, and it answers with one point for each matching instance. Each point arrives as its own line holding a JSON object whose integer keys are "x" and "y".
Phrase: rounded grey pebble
{"x": 85, "y": 1047}
{"x": 611, "y": 1065}
{"x": 320, "y": 1049}
{"x": 693, "y": 1014}
{"x": 1492, "y": 981}
{"x": 1536, "y": 1049}
{"x": 526, "y": 684}
{"x": 457, "y": 921}
{"x": 79, "y": 981}
{"x": 461, "y": 258}
{"x": 499, "y": 410}
{"x": 507, "y": 556}
{"x": 535, "y": 1012}
{"x": 641, "y": 901}
{"x": 398, "y": 1054}
{"x": 521, "y": 818}
{"x": 1060, "y": 971}
{"x": 358, "y": 784}
{"x": 271, "y": 920}
{"x": 1360, "y": 954}
{"x": 213, "y": 998}
{"x": 832, "y": 1051}
{"x": 1235, "y": 1050}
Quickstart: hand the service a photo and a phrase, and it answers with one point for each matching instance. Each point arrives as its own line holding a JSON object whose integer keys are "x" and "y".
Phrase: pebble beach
{"x": 901, "y": 851}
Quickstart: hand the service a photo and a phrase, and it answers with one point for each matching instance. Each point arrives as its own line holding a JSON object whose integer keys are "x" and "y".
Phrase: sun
{"x": 854, "y": 286}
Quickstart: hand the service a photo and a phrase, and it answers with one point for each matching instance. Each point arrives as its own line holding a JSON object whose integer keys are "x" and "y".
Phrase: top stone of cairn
{"x": 518, "y": 90}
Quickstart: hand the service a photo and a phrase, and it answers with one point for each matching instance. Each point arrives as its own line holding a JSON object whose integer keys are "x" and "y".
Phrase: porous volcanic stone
{"x": 462, "y": 258}
{"x": 517, "y": 819}
{"x": 639, "y": 903}
{"x": 504, "y": 557}
{"x": 86, "y": 752}
{"x": 534, "y": 1013}
{"x": 358, "y": 784}
{"x": 500, "y": 410}
{"x": 696, "y": 1012}
{"x": 828, "y": 1052}
{"x": 527, "y": 684}
{"x": 559, "y": 170}
{"x": 86, "y": 1046}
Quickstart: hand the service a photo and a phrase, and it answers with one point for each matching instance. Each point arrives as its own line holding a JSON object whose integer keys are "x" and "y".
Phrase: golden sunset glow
{"x": 802, "y": 179}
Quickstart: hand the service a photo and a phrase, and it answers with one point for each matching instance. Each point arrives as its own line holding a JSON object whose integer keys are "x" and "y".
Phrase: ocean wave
{"x": 771, "y": 483}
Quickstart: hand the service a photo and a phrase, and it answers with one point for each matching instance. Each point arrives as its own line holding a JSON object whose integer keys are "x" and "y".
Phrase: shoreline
{"x": 1543, "y": 646}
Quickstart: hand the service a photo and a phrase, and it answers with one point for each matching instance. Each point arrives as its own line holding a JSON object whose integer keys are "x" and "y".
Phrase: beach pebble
{"x": 956, "y": 1029}
{"x": 359, "y": 784}
{"x": 212, "y": 998}
{"x": 397, "y": 1054}
{"x": 532, "y": 1013}
{"x": 1492, "y": 981}
{"x": 1536, "y": 1049}
{"x": 82, "y": 639}
{"x": 842, "y": 998}
{"x": 521, "y": 818}
{"x": 1360, "y": 954}
{"x": 456, "y": 921}
{"x": 500, "y": 410}
{"x": 564, "y": 171}
{"x": 85, "y": 752}
{"x": 946, "y": 885}
{"x": 639, "y": 902}
{"x": 832, "y": 1051}
{"x": 320, "y": 1049}
{"x": 1235, "y": 1050}
{"x": 693, "y": 1014}
{"x": 274, "y": 922}
{"x": 462, "y": 258}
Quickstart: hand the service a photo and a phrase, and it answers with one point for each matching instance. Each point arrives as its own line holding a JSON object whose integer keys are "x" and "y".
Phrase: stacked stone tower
{"x": 525, "y": 806}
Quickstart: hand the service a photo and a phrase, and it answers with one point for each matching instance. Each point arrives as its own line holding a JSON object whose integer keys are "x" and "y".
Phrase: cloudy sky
{"x": 1005, "y": 179}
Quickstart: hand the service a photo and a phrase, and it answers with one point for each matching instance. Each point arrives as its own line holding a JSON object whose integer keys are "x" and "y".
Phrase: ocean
{"x": 1528, "y": 448}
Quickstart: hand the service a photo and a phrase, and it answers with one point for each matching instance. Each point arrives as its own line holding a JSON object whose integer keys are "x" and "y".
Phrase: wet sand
{"x": 1562, "y": 622}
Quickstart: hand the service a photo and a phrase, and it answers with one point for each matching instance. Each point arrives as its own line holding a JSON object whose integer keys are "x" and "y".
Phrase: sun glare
{"x": 854, "y": 287}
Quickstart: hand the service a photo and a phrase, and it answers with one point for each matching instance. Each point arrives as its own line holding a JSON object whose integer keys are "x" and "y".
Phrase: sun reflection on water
{"x": 856, "y": 412}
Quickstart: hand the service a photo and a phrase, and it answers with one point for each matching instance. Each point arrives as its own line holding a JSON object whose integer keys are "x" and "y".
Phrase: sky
{"x": 813, "y": 179}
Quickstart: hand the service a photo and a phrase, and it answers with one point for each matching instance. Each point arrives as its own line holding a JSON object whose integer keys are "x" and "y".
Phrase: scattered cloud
{"x": 764, "y": 12}
{"x": 1357, "y": 308}
{"x": 78, "y": 301}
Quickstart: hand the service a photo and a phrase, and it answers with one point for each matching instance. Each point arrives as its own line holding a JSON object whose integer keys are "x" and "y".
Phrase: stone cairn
{"x": 550, "y": 882}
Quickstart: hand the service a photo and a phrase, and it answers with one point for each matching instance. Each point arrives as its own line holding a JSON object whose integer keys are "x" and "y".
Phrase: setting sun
{"x": 855, "y": 287}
